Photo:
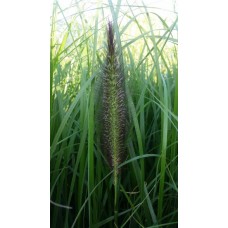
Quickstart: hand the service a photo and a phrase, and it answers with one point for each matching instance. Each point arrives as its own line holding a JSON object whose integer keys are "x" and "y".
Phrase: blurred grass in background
{"x": 81, "y": 181}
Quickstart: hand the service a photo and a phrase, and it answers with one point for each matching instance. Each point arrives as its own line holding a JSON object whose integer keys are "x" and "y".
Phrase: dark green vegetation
{"x": 82, "y": 192}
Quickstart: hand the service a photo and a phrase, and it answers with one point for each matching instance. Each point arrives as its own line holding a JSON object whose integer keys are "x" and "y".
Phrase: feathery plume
{"x": 114, "y": 115}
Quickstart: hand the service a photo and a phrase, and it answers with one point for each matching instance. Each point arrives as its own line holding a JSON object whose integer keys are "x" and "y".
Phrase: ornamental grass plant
{"x": 113, "y": 115}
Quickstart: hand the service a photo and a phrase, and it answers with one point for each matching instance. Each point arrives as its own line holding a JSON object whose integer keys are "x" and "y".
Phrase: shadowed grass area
{"x": 82, "y": 192}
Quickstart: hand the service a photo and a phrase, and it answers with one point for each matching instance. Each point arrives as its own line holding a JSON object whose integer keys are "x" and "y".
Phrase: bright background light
{"x": 167, "y": 9}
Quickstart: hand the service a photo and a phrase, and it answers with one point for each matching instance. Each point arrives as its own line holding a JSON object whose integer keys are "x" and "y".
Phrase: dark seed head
{"x": 114, "y": 117}
{"x": 110, "y": 39}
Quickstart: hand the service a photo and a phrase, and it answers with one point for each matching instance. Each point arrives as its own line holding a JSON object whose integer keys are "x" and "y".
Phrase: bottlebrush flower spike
{"x": 114, "y": 113}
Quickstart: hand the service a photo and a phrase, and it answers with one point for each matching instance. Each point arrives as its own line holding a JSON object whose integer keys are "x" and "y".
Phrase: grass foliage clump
{"x": 113, "y": 103}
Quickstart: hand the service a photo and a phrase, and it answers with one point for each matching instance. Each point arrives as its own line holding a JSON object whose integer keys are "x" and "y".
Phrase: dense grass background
{"x": 81, "y": 180}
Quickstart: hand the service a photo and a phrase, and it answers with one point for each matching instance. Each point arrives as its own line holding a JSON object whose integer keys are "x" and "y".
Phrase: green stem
{"x": 116, "y": 186}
